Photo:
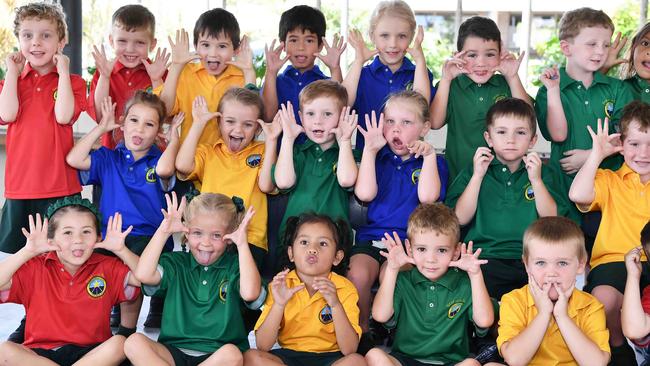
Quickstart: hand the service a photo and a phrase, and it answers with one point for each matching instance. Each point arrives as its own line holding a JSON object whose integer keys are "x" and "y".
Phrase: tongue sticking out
{"x": 78, "y": 253}
{"x": 235, "y": 143}
{"x": 203, "y": 257}
{"x": 136, "y": 140}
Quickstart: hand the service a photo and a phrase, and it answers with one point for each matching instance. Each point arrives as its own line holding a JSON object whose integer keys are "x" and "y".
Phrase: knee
{"x": 360, "y": 277}
{"x": 9, "y": 352}
{"x": 134, "y": 344}
{"x": 231, "y": 355}
{"x": 252, "y": 357}
{"x": 375, "y": 356}
{"x": 610, "y": 298}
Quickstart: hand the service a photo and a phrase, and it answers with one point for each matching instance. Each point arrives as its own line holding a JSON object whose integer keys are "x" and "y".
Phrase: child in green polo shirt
{"x": 469, "y": 87}
{"x": 205, "y": 289}
{"x": 431, "y": 305}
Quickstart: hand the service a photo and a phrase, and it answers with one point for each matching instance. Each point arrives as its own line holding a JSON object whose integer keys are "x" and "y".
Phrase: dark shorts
{"x": 409, "y": 361}
{"x": 365, "y": 247}
{"x": 590, "y": 225}
{"x": 297, "y": 358}
{"x": 15, "y": 216}
{"x": 65, "y": 355}
{"x": 612, "y": 274}
{"x": 183, "y": 359}
{"x": 503, "y": 275}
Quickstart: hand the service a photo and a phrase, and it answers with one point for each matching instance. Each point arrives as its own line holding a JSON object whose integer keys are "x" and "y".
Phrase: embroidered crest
{"x": 151, "y": 175}
{"x": 334, "y": 168}
{"x": 96, "y": 286}
{"x": 253, "y": 161}
{"x": 454, "y": 309}
{"x": 499, "y": 97}
{"x": 415, "y": 176}
{"x": 149, "y": 90}
{"x": 223, "y": 291}
{"x": 529, "y": 193}
{"x": 55, "y": 94}
{"x": 325, "y": 315}
{"x": 609, "y": 107}
{"x": 408, "y": 86}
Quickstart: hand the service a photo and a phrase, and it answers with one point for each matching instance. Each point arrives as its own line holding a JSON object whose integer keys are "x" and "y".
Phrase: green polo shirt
{"x": 316, "y": 189}
{"x": 639, "y": 87}
{"x": 467, "y": 108}
{"x": 202, "y": 304}
{"x": 432, "y": 318}
{"x": 505, "y": 207}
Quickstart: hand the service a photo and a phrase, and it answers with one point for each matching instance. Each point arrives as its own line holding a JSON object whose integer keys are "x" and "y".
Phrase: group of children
{"x": 207, "y": 178}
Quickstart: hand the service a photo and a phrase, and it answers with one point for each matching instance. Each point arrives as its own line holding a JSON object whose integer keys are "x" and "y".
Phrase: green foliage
{"x": 435, "y": 56}
{"x": 259, "y": 64}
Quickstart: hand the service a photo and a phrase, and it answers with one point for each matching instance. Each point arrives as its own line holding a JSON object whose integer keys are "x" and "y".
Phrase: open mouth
{"x": 136, "y": 140}
{"x": 235, "y": 143}
{"x": 77, "y": 253}
{"x": 646, "y": 64}
{"x": 37, "y": 53}
{"x": 203, "y": 256}
{"x": 397, "y": 143}
{"x": 300, "y": 59}
{"x": 318, "y": 133}
{"x": 213, "y": 66}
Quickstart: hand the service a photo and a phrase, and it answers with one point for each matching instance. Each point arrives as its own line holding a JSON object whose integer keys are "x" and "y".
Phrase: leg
{"x": 17, "y": 354}
{"x": 254, "y": 357}
{"x": 140, "y": 350}
{"x": 110, "y": 352}
{"x": 228, "y": 355}
{"x": 613, "y": 301}
{"x": 363, "y": 273}
{"x": 353, "y": 359}
{"x": 129, "y": 312}
{"x": 377, "y": 357}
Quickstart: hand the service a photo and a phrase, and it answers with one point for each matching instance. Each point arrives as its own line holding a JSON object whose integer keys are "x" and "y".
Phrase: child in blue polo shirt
{"x": 398, "y": 171}
{"x": 134, "y": 176}
{"x": 392, "y": 27}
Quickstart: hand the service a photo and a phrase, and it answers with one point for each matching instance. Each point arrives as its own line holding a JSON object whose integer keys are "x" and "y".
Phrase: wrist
{"x": 249, "y": 76}
{"x": 287, "y": 138}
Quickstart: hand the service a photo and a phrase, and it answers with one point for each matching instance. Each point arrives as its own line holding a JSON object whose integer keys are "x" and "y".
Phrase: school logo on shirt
{"x": 55, "y": 94}
{"x": 334, "y": 168}
{"x": 415, "y": 176}
{"x": 149, "y": 90}
{"x": 454, "y": 309}
{"x": 408, "y": 86}
{"x": 609, "y": 107}
{"x": 529, "y": 193}
{"x": 325, "y": 315}
{"x": 151, "y": 175}
{"x": 253, "y": 161}
{"x": 499, "y": 97}
{"x": 96, "y": 286}
{"x": 223, "y": 291}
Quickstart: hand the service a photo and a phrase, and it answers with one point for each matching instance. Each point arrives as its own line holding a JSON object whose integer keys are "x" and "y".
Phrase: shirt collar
{"x": 229, "y": 71}
{"x": 465, "y": 81}
{"x": 566, "y": 80}
{"x": 386, "y": 153}
{"x": 309, "y": 144}
{"x": 291, "y": 71}
{"x": 28, "y": 69}
{"x": 294, "y": 280}
{"x": 154, "y": 151}
{"x": 578, "y": 301}
{"x": 449, "y": 280}
{"x": 120, "y": 66}
{"x": 377, "y": 65}
{"x": 496, "y": 164}
{"x": 626, "y": 173}
{"x": 640, "y": 81}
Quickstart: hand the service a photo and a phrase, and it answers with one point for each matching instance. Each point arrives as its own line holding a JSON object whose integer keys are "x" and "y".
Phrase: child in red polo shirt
{"x": 132, "y": 37}
{"x": 68, "y": 290}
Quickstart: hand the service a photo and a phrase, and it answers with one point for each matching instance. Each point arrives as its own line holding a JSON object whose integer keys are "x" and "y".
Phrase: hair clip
{"x": 239, "y": 203}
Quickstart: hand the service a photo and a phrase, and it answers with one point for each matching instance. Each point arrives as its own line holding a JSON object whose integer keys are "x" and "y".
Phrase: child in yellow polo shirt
{"x": 549, "y": 321}
{"x": 623, "y": 197}
{"x": 311, "y": 311}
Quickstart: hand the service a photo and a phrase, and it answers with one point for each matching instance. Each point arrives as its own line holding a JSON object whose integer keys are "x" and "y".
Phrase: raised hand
{"x": 281, "y": 293}
{"x": 15, "y": 62}
{"x": 290, "y": 128}
{"x": 468, "y": 260}
{"x": 181, "y": 48}
{"x": 573, "y": 160}
{"x": 332, "y": 56}
{"x": 37, "y": 241}
{"x": 420, "y": 148}
{"x": 604, "y": 144}
{"x": 416, "y": 49}
{"x": 509, "y": 64}
{"x": 395, "y": 255}
{"x": 62, "y": 63}
{"x": 239, "y": 237}
{"x": 550, "y": 78}
{"x": 114, "y": 240}
{"x": 326, "y": 288}
{"x": 172, "y": 133}
{"x": 107, "y": 123}
{"x": 374, "y": 135}
{"x": 156, "y": 69}
{"x": 273, "y": 54}
{"x": 454, "y": 66}
{"x": 613, "y": 52}
{"x": 540, "y": 296}
{"x": 562, "y": 304}
{"x": 533, "y": 166}
{"x": 200, "y": 112}
{"x": 173, "y": 218}
{"x": 273, "y": 129}
{"x": 482, "y": 159}
{"x": 347, "y": 124}
{"x": 102, "y": 63}
{"x": 244, "y": 56}
{"x": 633, "y": 262}
{"x": 361, "y": 51}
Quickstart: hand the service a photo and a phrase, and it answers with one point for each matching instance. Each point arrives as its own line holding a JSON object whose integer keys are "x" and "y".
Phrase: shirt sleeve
{"x": 21, "y": 281}
{"x": 594, "y": 327}
{"x": 199, "y": 163}
{"x": 90, "y": 104}
{"x": 99, "y": 163}
{"x": 457, "y": 187}
{"x": 541, "y": 110}
{"x": 79, "y": 91}
{"x": 601, "y": 190}
{"x": 167, "y": 270}
{"x": 513, "y": 319}
{"x": 120, "y": 273}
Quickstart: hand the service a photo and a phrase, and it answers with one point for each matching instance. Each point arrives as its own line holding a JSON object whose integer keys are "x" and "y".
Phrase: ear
{"x": 582, "y": 265}
{"x": 533, "y": 141}
{"x": 110, "y": 39}
{"x": 565, "y": 47}
{"x": 457, "y": 252}
{"x": 153, "y": 44}
{"x": 340, "y": 254}
{"x": 290, "y": 253}
{"x": 523, "y": 259}
{"x": 300, "y": 114}
{"x": 486, "y": 136}
{"x": 425, "y": 129}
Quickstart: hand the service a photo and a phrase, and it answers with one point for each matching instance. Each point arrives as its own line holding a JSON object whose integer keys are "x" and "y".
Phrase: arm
{"x": 555, "y": 119}
{"x": 452, "y": 67}
{"x": 361, "y": 55}
{"x": 366, "y": 187}
{"x": 421, "y": 82}
{"x": 272, "y": 131}
{"x": 201, "y": 116}
{"x": 429, "y": 182}
{"x": 165, "y": 167}
{"x": 346, "y": 171}
{"x": 64, "y": 104}
{"x": 9, "y": 94}
{"x": 346, "y": 336}
{"x": 181, "y": 55}
{"x": 244, "y": 61}
{"x": 544, "y": 202}
{"x": 269, "y": 91}
{"x": 250, "y": 282}
{"x": 104, "y": 67}
{"x": 635, "y": 321}
{"x": 482, "y": 309}
{"x": 156, "y": 70}
{"x": 285, "y": 173}
{"x": 466, "y": 205}
{"x": 509, "y": 68}
{"x": 114, "y": 242}
{"x": 333, "y": 57}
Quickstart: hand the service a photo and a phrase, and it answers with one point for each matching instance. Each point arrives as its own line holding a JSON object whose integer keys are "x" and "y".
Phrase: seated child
{"x": 431, "y": 304}
{"x": 398, "y": 171}
{"x": 505, "y": 190}
{"x": 205, "y": 289}
{"x": 318, "y": 172}
{"x": 67, "y": 290}
{"x": 635, "y": 72}
{"x": 310, "y": 311}
{"x": 549, "y": 321}
{"x": 233, "y": 165}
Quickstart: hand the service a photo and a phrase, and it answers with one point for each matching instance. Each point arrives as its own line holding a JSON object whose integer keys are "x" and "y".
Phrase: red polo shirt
{"x": 124, "y": 82}
{"x": 36, "y": 144}
{"x": 65, "y": 309}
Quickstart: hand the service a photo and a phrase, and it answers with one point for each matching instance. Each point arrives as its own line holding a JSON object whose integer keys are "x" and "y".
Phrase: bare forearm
{"x": 147, "y": 269}
{"x": 249, "y": 277}
{"x": 544, "y": 202}
{"x": 351, "y": 81}
{"x": 366, "y": 186}
{"x": 64, "y": 105}
{"x": 128, "y": 257}
{"x": 421, "y": 82}
{"x": 582, "y": 189}
{"x": 265, "y": 181}
{"x": 337, "y": 74}
{"x": 102, "y": 90}
{"x": 466, "y": 204}
{"x": 635, "y": 322}
{"x": 429, "y": 182}
{"x": 346, "y": 170}
{"x": 267, "y": 334}
{"x": 168, "y": 93}
{"x": 583, "y": 349}
{"x": 522, "y": 348}
{"x": 9, "y": 98}
{"x": 165, "y": 167}
{"x": 79, "y": 155}
{"x": 185, "y": 157}
{"x": 482, "y": 309}
{"x": 556, "y": 119}
{"x": 270, "y": 96}
{"x": 382, "y": 307}
{"x": 346, "y": 337}
{"x": 11, "y": 264}
{"x": 285, "y": 174}
{"x": 438, "y": 108}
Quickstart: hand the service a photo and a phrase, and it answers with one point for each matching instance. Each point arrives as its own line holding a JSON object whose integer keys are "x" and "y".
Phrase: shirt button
{"x": 128, "y": 156}
{"x": 297, "y": 74}
{"x": 319, "y": 160}
{"x": 504, "y": 169}
{"x": 579, "y": 86}
{"x": 299, "y": 83}
{"x": 62, "y": 270}
{"x": 70, "y": 283}
{"x": 38, "y": 89}
{"x": 129, "y": 83}
{"x": 647, "y": 90}
{"x": 386, "y": 69}
{"x": 480, "y": 99}
{"x": 205, "y": 269}
{"x": 433, "y": 287}
{"x": 586, "y": 102}
{"x": 399, "y": 167}
{"x": 131, "y": 169}
{"x": 317, "y": 148}
{"x": 430, "y": 304}
{"x": 479, "y": 85}
{"x": 390, "y": 81}
{"x": 204, "y": 282}
{"x": 509, "y": 183}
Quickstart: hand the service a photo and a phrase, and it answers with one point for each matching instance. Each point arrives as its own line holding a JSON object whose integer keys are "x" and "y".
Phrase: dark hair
{"x": 512, "y": 107}
{"x": 216, "y": 22}
{"x": 134, "y": 17}
{"x": 627, "y": 69}
{"x": 645, "y": 235}
{"x": 572, "y": 22}
{"x": 303, "y": 18}
{"x": 635, "y": 111}
{"x": 340, "y": 228}
{"x": 53, "y": 222}
{"x": 480, "y": 27}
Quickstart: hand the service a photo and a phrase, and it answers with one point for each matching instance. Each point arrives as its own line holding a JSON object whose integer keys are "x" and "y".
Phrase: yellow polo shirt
{"x": 195, "y": 80}
{"x": 518, "y": 310}
{"x": 307, "y": 324}
{"x": 625, "y": 205}
{"x": 218, "y": 170}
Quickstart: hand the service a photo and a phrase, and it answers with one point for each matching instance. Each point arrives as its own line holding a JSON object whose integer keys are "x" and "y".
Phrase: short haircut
{"x": 514, "y": 108}
{"x": 635, "y": 111}
{"x": 434, "y": 217}
{"x": 216, "y": 22}
{"x": 574, "y": 21}
{"x": 244, "y": 96}
{"x": 324, "y": 89}
{"x": 479, "y": 27}
{"x": 42, "y": 11}
{"x": 134, "y": 17}
{"x": 555, "y": 230}
{"x": 418, "y": 101}
{"x": 303, "y": 18}
{"x": 627, "y": 69}
{"x": 150, "y": 100}
{"x": 394, "y": 8}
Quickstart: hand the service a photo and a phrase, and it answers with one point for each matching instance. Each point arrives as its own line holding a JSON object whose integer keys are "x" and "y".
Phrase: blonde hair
{"x": 393, "y": 8}
{"x": 433, "y": 217}
{"x": 244, "y": 96}
{"x": 416, "y": 99}
{"x": 555, "y": 230}
{"x": 212, "y": 204}
{"x": 42, "y": 11}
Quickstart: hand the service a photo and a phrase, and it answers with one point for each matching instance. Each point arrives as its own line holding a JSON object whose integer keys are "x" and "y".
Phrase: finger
{"x": 128, "y": 230}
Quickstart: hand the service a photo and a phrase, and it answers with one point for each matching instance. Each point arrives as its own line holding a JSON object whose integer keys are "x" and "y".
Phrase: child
{"x": 635, "y": 318}
{"x": 469, "y": 87}
{"x": 302, "y": 37}
{"x": 132, "y": 37}
{"x": 310, "y": 311}
{"x": 392, "y": 27}
{"x": 436, "y": 333}
{"x": 205, "y": 289}
{"x": 68, "y": 290}
{"x": 398, "y": 171}
{"x": 636, "y": 72}
{"x": 216, "y": 41}
{"x": 578, "y": 94}
{"x": 622, "y": 196}
{"x": 134, "y": 176}
{"x": 549, "y": 321}
{"x": 317, "y": 172}
{"x": 505, "y": 190}
{"x": 39, "y": 101}
{"x": 234, "y": 165}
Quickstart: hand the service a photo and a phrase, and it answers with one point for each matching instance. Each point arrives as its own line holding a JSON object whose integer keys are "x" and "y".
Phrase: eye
{"x": 303, "y": 242}
{"x": 383, "y": 35}
{"x": 540, "y": 263}
{"x": 133, "y": 120}
{"x": 491, "y": 54}
{"x": 501, "y": 132}
{"x": 421, "y": 249}
{"x": 46, "y": 35}
{"x": 645, "y": 43}
{"x": 140, "y": 42}
{"x": 323, "y": 243}
{"x": 563, "y": 263}
{"x": 634, "y": 144}
{"x": 204, "y": 45}
{"x": 196, "y": 233}
{"x": 402, "y": 36}
{"x": 522, "y": 132}
{"x": 67, "y": 232}
{"x": 223, "y": 46}
{"x": 442, "y": 250}
{"x": 390, "y": 121}
{"x": 310, "y": 40}
{"x": 216, "y": 236}
{"x": 150, "y": 124}
{"x": 329, "y": 114}
{"x": 87, "y": 232}
{"x": 471, "y": 55}
{"x": 121, "y": 41}
{"x": 311, "y": 114}
{"x": 407, "y": 122}
{"x": 249, "y": 125}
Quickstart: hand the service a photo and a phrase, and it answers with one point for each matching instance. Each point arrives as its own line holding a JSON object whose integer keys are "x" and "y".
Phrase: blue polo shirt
{"x": 129, "y": 187}
{"x": 376, "y": 83}
{"x": 397, "y": 194}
